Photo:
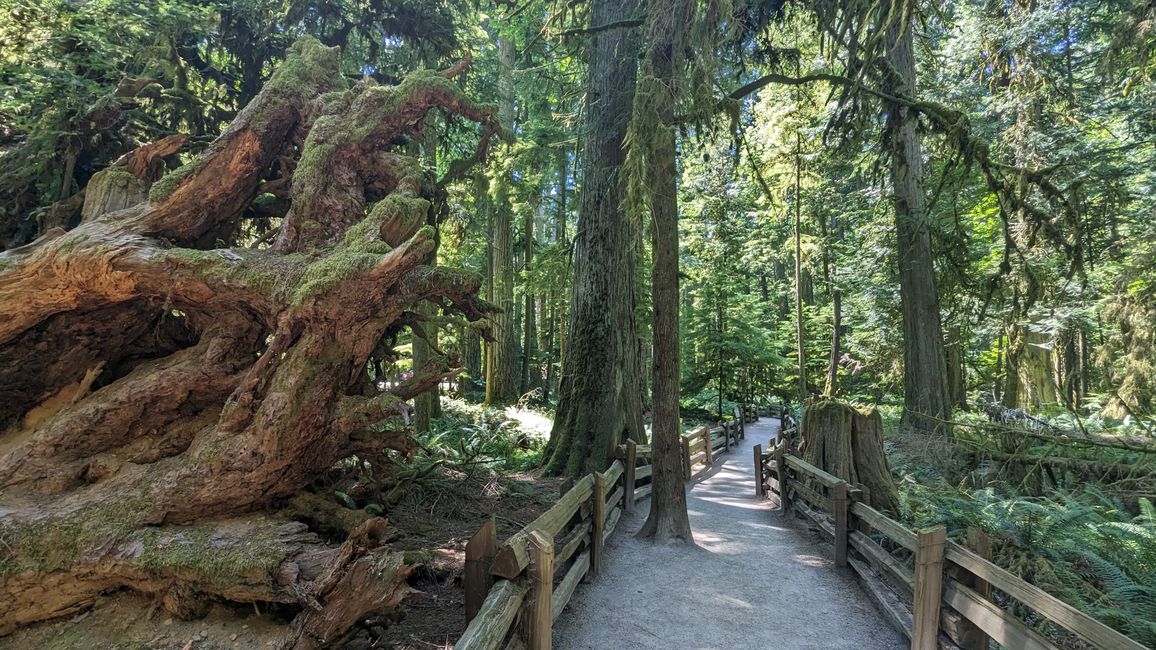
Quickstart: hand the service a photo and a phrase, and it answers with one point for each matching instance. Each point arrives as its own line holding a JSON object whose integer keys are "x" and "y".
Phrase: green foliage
{"x": 1080, "y": 547}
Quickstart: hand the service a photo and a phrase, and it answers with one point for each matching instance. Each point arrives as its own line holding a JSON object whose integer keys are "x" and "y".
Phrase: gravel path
{"x": 755, "y": 580}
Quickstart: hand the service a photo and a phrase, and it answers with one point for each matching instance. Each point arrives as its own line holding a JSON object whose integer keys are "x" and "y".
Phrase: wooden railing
{"x": 514, "y": 592}
{"x": 946, "y": 588}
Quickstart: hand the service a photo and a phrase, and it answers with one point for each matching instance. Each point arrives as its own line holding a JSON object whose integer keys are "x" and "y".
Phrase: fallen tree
{"x": 161, "y": 397}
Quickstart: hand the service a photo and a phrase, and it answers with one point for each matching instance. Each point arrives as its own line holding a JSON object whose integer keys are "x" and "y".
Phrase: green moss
{"x": 55, "y": 543}
{"x": 71, "y": 242}
{"x": 268, "y": 273}
{"x": 200, "y": 553}
{"x": 331, "y": 270}
{"x": 163, "y": 188}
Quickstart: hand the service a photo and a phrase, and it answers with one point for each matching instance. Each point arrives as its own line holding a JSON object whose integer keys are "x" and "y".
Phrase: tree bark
{"x": 833, "y": 361}
{"x": 668, "y": 521}
{"x": 926, "y": 404}
{"x": 156, "y": 396}
{"x": 502, "y": 354}
{"x": 599, "y": 403}
{"x": 848, "y": 442}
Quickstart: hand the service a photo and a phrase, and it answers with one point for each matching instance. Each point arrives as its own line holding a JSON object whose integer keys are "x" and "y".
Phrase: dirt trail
{"x": 757, "y": 580}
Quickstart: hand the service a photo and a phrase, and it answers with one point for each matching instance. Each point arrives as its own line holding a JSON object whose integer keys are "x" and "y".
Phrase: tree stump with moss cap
{"x": 847, "y": 441}
{"x": 158, "y": 395}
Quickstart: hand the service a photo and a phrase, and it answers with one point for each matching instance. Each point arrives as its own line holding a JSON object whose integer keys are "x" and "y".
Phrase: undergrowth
{"x": 1081, "y": 543}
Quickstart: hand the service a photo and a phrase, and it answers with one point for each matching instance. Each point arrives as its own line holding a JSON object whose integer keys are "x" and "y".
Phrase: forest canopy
{"x": 264, "y": 258}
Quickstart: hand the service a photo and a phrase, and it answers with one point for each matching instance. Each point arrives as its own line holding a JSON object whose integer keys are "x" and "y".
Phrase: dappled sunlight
{"x": 531, "y": 421}
{"x": 750, "y": 567}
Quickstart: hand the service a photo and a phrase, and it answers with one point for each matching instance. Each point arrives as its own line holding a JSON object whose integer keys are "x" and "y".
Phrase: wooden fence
{"x": 515, "y": 592}
{"x": 938, "y": 592}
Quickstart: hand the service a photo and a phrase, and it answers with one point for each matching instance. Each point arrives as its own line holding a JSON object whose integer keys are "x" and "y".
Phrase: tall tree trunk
{"x": 926, "y": 404}
{"x": 529, "y": 379}
{"x": 668, "y": 520}
{"x": 502, "y": 354}
{"x": 833, "y": 362}
{"x": 599, "y": 402}
{"x": 800, "y": 332}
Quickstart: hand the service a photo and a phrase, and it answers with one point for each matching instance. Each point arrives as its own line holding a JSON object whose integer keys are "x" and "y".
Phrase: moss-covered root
{"x": 51, "y": 571}
{"x": 217, "y": 187}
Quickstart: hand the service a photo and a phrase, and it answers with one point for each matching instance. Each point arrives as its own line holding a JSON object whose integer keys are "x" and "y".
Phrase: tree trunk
{"x": 599, "y": 402}
{"x": 833, "y": 361}
{"x": 926, "y": 404}
{"x": 155, "y": 394}
{"x": 529, "y": 377}
{"x": 502, "y": 354}
{"x": 668, "y": 521}
{"x": 800, "y": 332}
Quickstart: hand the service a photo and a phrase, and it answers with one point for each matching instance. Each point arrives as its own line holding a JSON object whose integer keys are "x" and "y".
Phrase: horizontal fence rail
{"x": 514, "y": 592}
{"x": 937, "y": 592}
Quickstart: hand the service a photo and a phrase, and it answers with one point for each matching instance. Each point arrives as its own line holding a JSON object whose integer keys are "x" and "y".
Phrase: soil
{"x": 433, "y": 523}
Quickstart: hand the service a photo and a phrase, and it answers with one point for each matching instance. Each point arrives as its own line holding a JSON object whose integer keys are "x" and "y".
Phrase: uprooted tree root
{"x": 159, "y": 398}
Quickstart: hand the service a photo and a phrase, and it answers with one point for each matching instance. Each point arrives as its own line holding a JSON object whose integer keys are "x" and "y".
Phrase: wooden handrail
{"x": 599, "y": 499}
{"x": 977, "y": 610}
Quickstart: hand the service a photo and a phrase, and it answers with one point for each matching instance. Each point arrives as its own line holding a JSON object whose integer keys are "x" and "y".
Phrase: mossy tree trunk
{"x": 668, "y": 521}
{"x": 599, "y": 403}
{"x": 159, "y": 398}
{"x": 847, "y": 441}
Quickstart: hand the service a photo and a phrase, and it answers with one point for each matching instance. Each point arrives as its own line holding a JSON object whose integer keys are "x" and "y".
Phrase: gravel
{"x": 754, "y": 580}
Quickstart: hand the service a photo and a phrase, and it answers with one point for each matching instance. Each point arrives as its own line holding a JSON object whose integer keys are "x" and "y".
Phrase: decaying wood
{"x": 848, "y": 442}
{"x": 156, "y": 392}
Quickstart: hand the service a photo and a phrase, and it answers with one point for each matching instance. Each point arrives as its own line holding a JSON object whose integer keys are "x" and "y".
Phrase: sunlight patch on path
{"x": 755, "y": 579}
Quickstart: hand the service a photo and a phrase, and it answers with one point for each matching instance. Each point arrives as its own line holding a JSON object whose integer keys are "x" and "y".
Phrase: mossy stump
{"x": 847, "y": 441}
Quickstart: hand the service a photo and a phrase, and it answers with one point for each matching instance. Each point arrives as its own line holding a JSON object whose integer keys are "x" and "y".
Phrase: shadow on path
{"x": 756, "y": 579}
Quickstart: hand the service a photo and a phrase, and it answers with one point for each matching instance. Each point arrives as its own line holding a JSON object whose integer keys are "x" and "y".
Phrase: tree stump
{"x": 847, "y": 441}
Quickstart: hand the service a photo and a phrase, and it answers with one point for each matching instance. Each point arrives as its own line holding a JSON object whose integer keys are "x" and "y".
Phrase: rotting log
{"x": 161, "y": 398}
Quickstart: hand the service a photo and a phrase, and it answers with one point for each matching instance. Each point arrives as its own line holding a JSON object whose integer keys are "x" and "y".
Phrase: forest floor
{"x": 754, "y": 580}
{"x": 433, "y": 525}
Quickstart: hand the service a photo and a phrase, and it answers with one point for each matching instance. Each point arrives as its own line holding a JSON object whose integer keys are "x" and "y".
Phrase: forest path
{"x": 756, "y": 580}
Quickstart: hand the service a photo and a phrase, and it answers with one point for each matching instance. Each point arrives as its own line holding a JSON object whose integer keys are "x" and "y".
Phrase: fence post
{"x": 685, "y": 457}
{"x": 781, "y": 467}
{"x": 477, "y": 580}
{"x": 707, "y": 445}
{"x": 759, "y": 471}
{"x": 839, "y": 505}
{"x": 980, "y": 542}
{"x": 599, "y": 523}
{"x": 726, "y": 436}
{"x": 628, "y": 483}
{"x": 539, "y": 615}
{"x": 928, "y": 588}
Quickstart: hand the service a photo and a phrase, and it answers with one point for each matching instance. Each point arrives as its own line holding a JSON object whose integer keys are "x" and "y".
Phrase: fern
{"x": 1083, "y": 547}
